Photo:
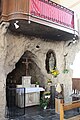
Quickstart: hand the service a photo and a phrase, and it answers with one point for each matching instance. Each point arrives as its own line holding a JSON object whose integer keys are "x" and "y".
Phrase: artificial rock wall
{"x": 13, "y": 46}
{"x": 3, "y": 51}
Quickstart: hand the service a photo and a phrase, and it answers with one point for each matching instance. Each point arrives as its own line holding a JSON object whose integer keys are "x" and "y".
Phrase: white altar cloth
{"x": 30, "y": 90}
{"x": 32, "y": 96}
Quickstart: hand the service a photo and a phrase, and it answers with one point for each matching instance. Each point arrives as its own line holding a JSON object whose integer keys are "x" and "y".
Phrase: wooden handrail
{"x": 69, "y": 106}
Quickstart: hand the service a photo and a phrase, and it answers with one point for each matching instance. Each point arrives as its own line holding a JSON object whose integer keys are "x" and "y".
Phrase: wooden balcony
{"x": 40, "y": 18}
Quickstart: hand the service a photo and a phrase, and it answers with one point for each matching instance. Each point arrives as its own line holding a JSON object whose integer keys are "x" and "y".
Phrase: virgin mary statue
{"x": 51, "y": 62}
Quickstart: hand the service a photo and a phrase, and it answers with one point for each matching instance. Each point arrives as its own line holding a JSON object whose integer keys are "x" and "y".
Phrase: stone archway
{"x": 15, "y": 76}
{"x": 33, "y": 70}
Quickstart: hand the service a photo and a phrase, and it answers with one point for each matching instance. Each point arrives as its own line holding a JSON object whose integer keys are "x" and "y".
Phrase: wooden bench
{"x": 64, "y": 107}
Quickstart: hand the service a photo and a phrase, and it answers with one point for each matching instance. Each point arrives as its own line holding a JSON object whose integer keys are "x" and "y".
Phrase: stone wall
{"x": 13, "y": 46}
{"x": 17, "y": 45}
{"x": 3, "y": 51}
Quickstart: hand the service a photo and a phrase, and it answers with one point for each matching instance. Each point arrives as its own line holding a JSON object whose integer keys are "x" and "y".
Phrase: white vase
{"x": 49, "y": 84}
{"x": 47, "y": 96}
{"x": 37, "y": 85}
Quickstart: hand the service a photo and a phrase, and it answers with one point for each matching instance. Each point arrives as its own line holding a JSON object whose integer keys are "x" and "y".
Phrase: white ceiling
{"x": 73, "y": 5}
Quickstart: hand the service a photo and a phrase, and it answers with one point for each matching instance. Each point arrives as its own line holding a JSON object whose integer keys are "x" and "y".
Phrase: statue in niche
{"x": 51, "y": 62}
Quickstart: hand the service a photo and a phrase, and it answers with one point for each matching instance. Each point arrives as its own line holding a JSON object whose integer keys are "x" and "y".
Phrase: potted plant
{"x": 47, "y": 94}
{"x": 49, "y": 81}
{"x": 44, "y": 102}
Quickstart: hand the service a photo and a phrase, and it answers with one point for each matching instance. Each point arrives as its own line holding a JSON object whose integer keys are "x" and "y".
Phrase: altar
{"x": 31, "y": 95}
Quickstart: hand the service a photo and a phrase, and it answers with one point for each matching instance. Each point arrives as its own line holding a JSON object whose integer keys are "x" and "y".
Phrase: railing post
{"x": 24, "y": 101}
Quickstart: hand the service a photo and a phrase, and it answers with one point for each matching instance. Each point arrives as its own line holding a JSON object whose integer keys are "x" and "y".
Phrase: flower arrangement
{"x": 37, "y": 83}
{"x": 47, "y": 93}
{"x": 55, "y": 72}
{"x": 49, "y": 81}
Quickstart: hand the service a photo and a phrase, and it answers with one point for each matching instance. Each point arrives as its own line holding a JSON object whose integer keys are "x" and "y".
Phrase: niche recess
{"x": 48, "y": 55}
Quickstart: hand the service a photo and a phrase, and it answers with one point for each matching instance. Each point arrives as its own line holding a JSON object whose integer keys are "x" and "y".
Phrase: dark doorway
{"x": 14, "y": 78}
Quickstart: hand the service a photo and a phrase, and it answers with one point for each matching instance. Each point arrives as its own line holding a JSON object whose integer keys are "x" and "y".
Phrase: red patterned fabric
{"x": 53, "y": 12}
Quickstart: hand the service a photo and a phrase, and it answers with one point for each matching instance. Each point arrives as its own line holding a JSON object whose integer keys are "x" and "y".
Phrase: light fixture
{"x": 16, "y": 24}
{"x": 29, "y": 21}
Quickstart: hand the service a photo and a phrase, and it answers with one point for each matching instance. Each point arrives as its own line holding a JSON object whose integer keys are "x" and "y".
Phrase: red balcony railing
{"x": 52, "y": 12}
{"x": 44, "y": 9}
{"x": 50, "y": 15}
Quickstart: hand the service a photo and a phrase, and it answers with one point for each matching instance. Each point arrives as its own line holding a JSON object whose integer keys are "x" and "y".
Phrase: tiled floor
{"x": 36, "y": 113}
{"x": 72, "y": 113}
{"x": 74, "y": 118}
